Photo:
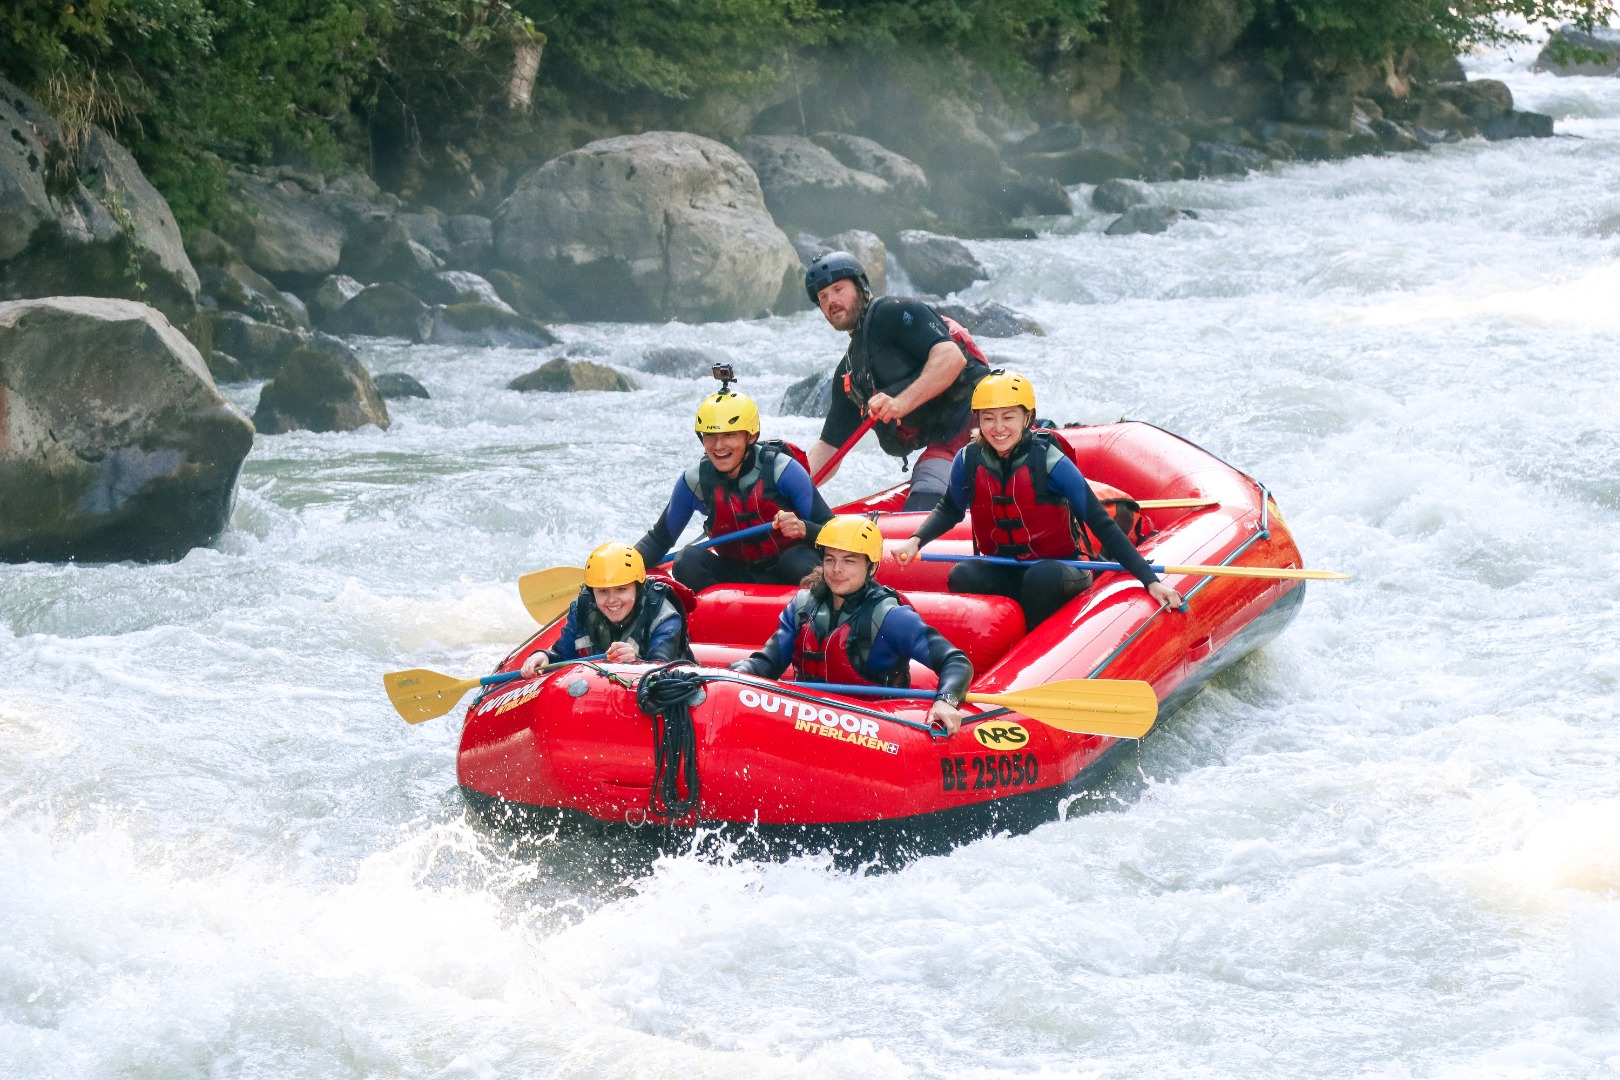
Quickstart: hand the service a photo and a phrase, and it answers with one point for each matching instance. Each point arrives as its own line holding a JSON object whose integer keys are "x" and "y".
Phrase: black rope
{"x": 666, "y": 695}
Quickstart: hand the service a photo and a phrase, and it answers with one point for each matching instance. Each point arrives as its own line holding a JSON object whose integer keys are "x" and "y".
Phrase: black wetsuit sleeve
{"x": 1115, "y": 543}
{"x": 656, "y": 544}
{"x": 770, "y": 661}
{"x": 950, "y": 510}
{"x": 955, "y": 670}
{"x": 842, "y": 416}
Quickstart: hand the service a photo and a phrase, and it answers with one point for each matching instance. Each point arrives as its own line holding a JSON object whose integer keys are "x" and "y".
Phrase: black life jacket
{"x": 829, "y": 650}
{"x": 753, "y": 498}
{"x": 655, "y": 602}
{"x": 1016, "y": 513}
{"x": 869, "y": 372}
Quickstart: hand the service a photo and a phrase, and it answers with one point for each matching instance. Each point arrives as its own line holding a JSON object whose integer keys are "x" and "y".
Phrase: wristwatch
{"x": 953, "y": 700}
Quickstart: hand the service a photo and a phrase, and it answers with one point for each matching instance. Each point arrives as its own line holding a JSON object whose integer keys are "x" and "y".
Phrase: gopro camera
{"x": 726, "y": 375}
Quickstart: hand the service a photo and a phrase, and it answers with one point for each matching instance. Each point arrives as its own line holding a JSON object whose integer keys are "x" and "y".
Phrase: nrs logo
{"x": 1001, "y": 736}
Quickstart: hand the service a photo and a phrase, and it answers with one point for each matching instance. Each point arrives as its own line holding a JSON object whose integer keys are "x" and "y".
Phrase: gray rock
{"x": 1089, "y": 161}
{"x": 472, "y": 240}
{"x": 260, "y": 347}
{"x": 1572, "y": 51}
{"x": 810, "y": 248}
{"x": 1117, "y": 196}
{"x": 114, "y": 441}
{"x": 331, "y": 294}
{"x": 1438, "y": 114}
{"x": 486, "y": 326}
{"x": 562, "y": 375}
{"x": 1017, "y": 195}
{"x": 380, "y": 250}
{"x": 286, "y": 234}
{"x": 804, "y": 184}
{"x": 871, "y": 251}
{"x": 461, "y": 287}
{"x": 904, "y": 176}
{"x": 679, "y": 362}
{"x": 397, "y": 384}
{"x": 991, "y": 319}
{"x": 428, "y": 230}
{"x": 654, "y": 226}
{"x": 236, "y": 286}
{"x": 1517, "y": 125}
{"x": 319, "y": 390}
{"x": 85, "y": 224}
{"x": 226, "y": 368}
{"x": 1478, "y": 99}
{"x": 937, "y": 264}
{"x": 1147, "y": 220}
{"x": 1225, "y": 159}
{"x": 386, "y": 310}
{"x": 1396, "y": 136}
{"x": 526, "y": 297}
{"x": 810, "y": 396}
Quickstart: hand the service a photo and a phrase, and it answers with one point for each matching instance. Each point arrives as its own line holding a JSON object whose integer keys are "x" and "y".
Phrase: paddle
{"x": 1116, "y": 708}
{"x": 420, "y": 694}
{"x": 1206, "y": 571}
{"x": 1176, "y": 504}
{"x": 849, "y": 444}
{"x": 547, "y": 593}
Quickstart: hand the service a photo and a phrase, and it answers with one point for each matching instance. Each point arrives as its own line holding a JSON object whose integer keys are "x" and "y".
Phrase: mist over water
{"x": 1387, "y": 846}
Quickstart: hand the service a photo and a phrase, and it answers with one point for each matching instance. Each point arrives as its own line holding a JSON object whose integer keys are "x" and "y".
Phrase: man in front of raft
{"x": 843, "y": 627}
{"x": 902, "y": 369}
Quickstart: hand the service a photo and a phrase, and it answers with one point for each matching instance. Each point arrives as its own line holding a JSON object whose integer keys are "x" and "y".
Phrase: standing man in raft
{"x": 1028, "y": 501}
{"x": 843, "y": 627}
{"x": 903, "y": 369}
{"x": 741, "y": 482}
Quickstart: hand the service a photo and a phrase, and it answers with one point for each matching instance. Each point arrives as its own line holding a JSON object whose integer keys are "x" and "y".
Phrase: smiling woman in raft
{"x": 843, "y": 627}
{"x": 1028, "y": 501}
{"x": 620, "y": 612}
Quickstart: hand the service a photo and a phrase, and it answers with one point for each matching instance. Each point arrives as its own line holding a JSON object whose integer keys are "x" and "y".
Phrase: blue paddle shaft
{"x": 856, "y": 690}
{"x": 508, "y": 676}
{"x": 741, "y": 534}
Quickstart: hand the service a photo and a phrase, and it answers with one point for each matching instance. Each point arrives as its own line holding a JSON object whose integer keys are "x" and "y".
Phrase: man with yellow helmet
{"x": 621, "y": 612}
{"x": 843, "y": 627}
{"x": 1028, "y": 500}
{"x": 741, "y": 482}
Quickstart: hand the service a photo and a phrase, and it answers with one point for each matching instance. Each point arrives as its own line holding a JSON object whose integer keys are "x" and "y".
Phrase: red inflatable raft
{"x": 782, "y": 761}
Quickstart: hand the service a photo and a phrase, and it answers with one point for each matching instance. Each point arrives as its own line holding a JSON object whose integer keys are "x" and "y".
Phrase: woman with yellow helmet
{"x": 621, "y": 612}
{"x": 1028, "y": 500}
{"x": 741, "y": 482}
{"x": 843, "y": 627}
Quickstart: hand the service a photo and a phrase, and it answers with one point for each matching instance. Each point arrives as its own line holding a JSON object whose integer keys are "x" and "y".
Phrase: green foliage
{"x": 1001, "y": 36}
{"x": 1328, "y": 31}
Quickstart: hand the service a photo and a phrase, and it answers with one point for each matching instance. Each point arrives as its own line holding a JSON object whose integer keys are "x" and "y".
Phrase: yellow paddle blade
{"x": 1176, "y": 504}
{"x": 1259, "y": 572}
{"x": 420, "y": 694}
{"x": 1117, "y": 708}
{"x": 547, "y": 593}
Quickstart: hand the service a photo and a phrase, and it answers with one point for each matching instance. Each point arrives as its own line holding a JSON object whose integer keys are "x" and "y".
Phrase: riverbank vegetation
{"x": 410, "y": 90}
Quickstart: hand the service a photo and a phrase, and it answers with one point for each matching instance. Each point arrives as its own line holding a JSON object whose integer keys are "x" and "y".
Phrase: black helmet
{"x": 831, "y": 267}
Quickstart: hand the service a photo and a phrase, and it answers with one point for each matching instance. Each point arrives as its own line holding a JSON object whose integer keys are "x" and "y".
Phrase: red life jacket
{"x": 841, "y": 655}
{"x": 1016, "y": 515}
{"x": 1126, "y": 512}
{"x": 753, "y": 498}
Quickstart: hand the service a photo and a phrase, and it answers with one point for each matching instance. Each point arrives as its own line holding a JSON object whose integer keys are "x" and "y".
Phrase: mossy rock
{"x": 563, "y": 375}
{"x": 319, "y": 390}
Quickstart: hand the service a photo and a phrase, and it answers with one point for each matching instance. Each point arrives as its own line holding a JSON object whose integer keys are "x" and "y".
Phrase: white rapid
{"x": 1388, "y": 846}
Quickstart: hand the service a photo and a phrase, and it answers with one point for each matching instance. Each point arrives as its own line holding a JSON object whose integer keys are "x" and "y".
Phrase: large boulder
{"x": 334, "y": 291}
{"x": 1573, "y": 51}
{"x": 810, "y": 396}
{"x": 1118, "y": 196}
{"x": 905, "y": 176}
{"x": 487, "y": 326}
{"x": 386, "y": 310}
{"x": 1478, "y": 99}
{"x": 1518, "y": 125}
{"x": 285, "y": 233}
{"x": 991, "y": 319}
{"x": 114, "y": 442}
{"x": 563, "y": 375}
{"x": 806, "y": 185}
{"x": 937, "y": 264}
{"x": 472, "y": 239}
{"x": 382, "y": 249}
{"x": 260, "y": 347}
{"x": 319, "y": 390}
{"x": 644, "y": 227}
{"x": 460, "y": 287}
{"x": 83, "y": 222}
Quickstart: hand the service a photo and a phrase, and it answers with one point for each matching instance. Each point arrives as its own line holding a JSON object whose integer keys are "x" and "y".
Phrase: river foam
{"x": 1389, "y": 846}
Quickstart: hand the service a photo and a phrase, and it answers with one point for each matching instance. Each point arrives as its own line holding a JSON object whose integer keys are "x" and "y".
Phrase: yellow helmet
{"x": 727, "y": 410}
{"x": 1003, "y": 390}
{"x": 613, "y": 564}
{"x": 852, "y": 532}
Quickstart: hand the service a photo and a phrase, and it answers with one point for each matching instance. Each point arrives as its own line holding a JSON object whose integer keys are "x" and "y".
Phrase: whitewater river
{"x": 1387, "y": 846}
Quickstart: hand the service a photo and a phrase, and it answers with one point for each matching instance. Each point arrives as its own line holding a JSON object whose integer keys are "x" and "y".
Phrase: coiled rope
{"x": 666, "y": 695}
